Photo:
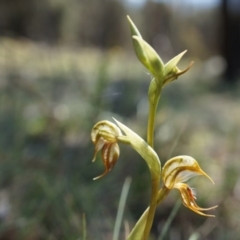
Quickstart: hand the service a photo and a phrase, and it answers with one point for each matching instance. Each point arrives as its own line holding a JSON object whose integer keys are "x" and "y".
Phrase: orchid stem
{"x": 151, "y": 123}
{"x": 152, "y": 209}
{"x": 138, "y": 229}
{"x": 150, "y": 140}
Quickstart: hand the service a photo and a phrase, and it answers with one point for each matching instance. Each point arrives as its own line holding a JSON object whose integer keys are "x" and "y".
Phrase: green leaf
{"x": 147, "y": 153}
{"x": 138, "y": 230}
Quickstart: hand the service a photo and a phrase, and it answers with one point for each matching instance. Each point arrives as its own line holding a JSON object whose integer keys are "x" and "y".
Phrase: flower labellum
{"x": 104, "y": 135}
{"x": 178, "y": 170}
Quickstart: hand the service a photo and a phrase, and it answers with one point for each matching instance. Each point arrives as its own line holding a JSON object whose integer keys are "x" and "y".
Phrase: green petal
{"x": 173, "y": 62}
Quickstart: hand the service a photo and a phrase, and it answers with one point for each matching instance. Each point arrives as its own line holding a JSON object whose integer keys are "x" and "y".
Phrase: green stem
{"x": 154, "y": 96}
{"x": 151, "y": 123}
{"x": 154, "y": 93}
{"x": 138, "y": 229}
{"x": 152, "y": 160}
{"x": 152, "y": 208}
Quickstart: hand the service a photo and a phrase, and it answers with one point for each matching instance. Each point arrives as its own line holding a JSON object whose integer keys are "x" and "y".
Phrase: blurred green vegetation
{"x": 49, "y": 100}
{"x": 80, "y": 69}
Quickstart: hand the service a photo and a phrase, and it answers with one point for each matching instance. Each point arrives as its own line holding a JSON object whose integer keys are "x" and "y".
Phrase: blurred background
{"x": 64, "y": 65}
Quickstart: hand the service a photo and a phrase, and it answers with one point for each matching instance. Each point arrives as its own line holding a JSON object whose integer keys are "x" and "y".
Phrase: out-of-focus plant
{"x": 176, "y": 171}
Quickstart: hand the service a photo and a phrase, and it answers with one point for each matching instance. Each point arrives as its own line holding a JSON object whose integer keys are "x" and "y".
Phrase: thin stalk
{"x": 138, "y": 229}
{"x": 152, "y": 209}
{"x": 153, "y": 162}
{"x": 170, "y": 219}
{"x": 154, "y": 93}
{"x": 154, "y": 96}
{"x": 121, "y": 206}
{"x": 151, "y": 123}
{"x": 160, "y": 196}
{"x": 84, "y": 236}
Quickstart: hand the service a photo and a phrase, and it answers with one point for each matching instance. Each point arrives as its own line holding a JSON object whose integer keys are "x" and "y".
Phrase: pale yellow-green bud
{"x": 162, "y": 74}
{"x": 150, "y": 59}
{"x": 145, "y": 53}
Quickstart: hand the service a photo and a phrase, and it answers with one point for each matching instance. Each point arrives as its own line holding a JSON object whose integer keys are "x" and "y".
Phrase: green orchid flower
{"x": 176, "y": 172}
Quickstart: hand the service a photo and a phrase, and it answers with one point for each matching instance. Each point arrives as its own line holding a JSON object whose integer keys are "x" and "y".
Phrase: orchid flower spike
{"x": 104, "y": 135}
{"x": 178, "y": 170}
{"x": 162, "y": 73}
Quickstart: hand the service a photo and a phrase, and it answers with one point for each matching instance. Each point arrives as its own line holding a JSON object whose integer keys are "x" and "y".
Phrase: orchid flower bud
{"x": 104, "y": 135}
{"x": 178, "y": 170}
{"x": 145, "y": 53}
{"x": 162, "y": 74}
{"x": 172, "y": 72}
{"x": 150, "y": 59}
